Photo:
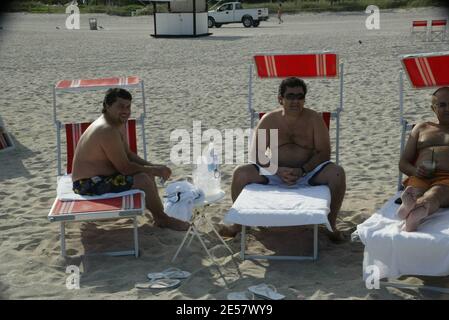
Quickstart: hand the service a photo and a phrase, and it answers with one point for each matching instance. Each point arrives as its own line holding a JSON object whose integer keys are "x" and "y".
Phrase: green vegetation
{"x": 295, "y": 6}
{"x": 136, "y": 7}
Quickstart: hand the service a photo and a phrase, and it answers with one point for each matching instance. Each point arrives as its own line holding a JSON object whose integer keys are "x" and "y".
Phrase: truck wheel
{"x": 210, "y": 22}
{"x": 256, "y": 23}
{"x": 247, "y": 21}
{"x": 218, "y": 25}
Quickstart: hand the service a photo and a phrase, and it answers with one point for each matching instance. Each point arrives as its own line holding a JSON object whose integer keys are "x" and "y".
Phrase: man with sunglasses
{"x": 303, "y": 152}
{"x": 425, "y": 161}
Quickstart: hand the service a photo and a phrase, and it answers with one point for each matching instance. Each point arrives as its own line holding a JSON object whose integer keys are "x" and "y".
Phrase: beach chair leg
{"x": 192, "y": 235}
{"x": 243, "y": 242}
{"x": 315, "y": 242}
{"x": 62, "y": 236}
{"x": 182, "y": 243}
{"x": 136, "y": 239}
{"x": 197, "y": 213}
{"x": 204, "y": 246}
{"x": 219, "y": 237}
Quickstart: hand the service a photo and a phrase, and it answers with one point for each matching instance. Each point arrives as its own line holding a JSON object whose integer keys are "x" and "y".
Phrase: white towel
{"x": 180, "y": 198}
{"x": 65, "y": 191}
{"x": 396, "y": 252}
{"x": 268, "y": 205}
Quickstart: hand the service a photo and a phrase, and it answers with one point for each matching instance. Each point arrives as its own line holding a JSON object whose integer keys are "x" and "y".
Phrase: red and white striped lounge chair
{"x": 419, "y": 29}
{"x": 303, "y": 65}
{"x": 393, "y": 251}
{"x": 124, "y": 205}
{"x": 6, "y": 142}
{"x": 438, "y": 29}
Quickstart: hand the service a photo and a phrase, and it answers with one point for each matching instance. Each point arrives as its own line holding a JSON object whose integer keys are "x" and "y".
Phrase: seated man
{"x": 426, "y": 162}
{"x": 303, "y": 152}
{"x": 103, "y": 162}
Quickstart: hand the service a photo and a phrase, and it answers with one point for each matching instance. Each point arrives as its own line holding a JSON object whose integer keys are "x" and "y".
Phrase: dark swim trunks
{"x": 103, "y": 184}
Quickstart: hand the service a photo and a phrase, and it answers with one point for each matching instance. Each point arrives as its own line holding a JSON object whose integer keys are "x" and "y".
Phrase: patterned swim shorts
{"x": 103, "y": 184}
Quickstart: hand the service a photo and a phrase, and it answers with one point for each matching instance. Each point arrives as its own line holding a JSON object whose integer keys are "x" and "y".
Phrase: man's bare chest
{"x": 299, "y": 135}
{"x": 433, "y": 138}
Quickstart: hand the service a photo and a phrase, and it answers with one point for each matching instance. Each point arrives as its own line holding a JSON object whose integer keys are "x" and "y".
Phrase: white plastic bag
{"x": 180, "y": 198}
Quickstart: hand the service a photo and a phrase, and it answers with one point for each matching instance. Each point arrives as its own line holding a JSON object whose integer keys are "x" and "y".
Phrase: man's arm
{"x": 322, "y": 145}
{"x": 255, "y": 145}
{"x": 135, "y": 158}
{"x": 111, "y": 143}
{"x": 408, "y": 157}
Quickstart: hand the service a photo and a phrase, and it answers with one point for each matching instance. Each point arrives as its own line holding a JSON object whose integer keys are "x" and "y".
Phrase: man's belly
{"x": 440, "y": 156}
{"x": 88, "y": 169}
{"x": 292, "y": 155}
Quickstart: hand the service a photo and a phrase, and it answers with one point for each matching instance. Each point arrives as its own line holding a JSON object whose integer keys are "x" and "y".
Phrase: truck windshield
{"x": 225, "y": 7}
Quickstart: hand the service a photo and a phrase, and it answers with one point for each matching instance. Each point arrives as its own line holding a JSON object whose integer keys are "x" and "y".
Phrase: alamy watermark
{"x": 372, "y": 277}
{"x": 372, "y": 22}
{"x": 188, "y": 147}
{"x": 72, "y": 22}
{"x": 72, "y": 282}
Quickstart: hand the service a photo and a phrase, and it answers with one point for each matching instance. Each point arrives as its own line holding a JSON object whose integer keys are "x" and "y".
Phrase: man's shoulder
{"x": 423, "y": 125}
{"x": 272, "y": 115}
{"x": 311, "y": 113}
{"x": 311, "y": 116}
{"x": 102, "y": 129}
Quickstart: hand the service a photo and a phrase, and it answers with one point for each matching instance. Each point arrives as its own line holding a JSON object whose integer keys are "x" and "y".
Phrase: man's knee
{"x": 439, "y": 194}
{"x": 337, "y": 176}
{"x": 244, "y": 174}
{"x": 141, "y": 181}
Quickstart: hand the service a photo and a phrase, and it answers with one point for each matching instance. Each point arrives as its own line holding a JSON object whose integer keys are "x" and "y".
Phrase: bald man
{"x": 425, "y": 161}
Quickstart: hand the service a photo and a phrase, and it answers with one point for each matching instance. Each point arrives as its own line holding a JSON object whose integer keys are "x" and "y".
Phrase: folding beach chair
{"x": 309, "y": 205}
{"x": 393, "y": 251}
{"x": 438, "y": 29}
{"x": 74, "y": 208}
{"x": 6, "y": 142}
{"x": 419, "y": 29}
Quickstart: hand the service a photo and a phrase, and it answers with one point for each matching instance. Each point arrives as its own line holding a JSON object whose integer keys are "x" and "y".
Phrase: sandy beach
{"x": 203, "y": 79}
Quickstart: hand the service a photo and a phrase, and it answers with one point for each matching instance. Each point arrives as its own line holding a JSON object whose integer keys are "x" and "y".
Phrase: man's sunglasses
{"x": 292, "y": 96}
{"x": 441, "y": 105}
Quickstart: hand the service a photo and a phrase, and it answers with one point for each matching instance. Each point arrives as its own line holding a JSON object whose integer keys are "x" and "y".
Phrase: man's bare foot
{"x": 408, "y": 202}
{"x": 172, "y": 223}
{"x": 229, "y": 231}
{"x": 415, "y": 217}
{"x": 336, "y": 236}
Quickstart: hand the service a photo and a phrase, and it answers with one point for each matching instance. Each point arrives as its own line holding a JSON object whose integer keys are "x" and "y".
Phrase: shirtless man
{"x": 426, "y": 162}
{"x": 103, "y": 162}
{"x": 303, "y": 152}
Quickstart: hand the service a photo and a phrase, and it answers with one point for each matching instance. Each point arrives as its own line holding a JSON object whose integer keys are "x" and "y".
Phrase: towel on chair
{"x": 397, "y": 252}
{"x": 65, "y": 191}
{"x": 274, "y": 206}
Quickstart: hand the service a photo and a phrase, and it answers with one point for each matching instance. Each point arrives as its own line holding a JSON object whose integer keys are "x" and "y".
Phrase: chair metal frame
{"x": 438, "y": 29}
{"x": 420, "y": 30}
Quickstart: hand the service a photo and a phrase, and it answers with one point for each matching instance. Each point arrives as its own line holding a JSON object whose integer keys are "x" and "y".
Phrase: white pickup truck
{"x": 232, "y": 12}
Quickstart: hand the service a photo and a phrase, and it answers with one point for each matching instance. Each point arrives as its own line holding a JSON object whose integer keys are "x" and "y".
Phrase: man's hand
{"x": 162, "y": 171}
{"x": 289, "y": 175}
{"x": 423, "y": 172}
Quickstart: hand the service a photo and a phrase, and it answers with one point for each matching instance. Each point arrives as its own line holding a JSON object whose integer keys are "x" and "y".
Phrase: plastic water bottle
{"x": 213, "y": 168}
{"x": 206, "y": 175}
{"x": 200, "y": 177}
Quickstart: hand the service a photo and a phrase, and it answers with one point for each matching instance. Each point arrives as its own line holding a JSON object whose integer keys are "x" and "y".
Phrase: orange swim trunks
{"x": 440, "y": 178}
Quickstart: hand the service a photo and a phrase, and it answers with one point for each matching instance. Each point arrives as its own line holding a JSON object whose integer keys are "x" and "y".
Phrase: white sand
{"x": 194, "y": 79}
